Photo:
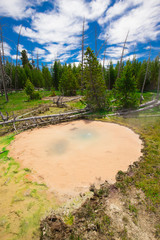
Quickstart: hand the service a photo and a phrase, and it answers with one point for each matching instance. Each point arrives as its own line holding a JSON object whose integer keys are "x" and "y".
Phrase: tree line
{"x": 67, "y": 77}
{"x": 96, "y": 79}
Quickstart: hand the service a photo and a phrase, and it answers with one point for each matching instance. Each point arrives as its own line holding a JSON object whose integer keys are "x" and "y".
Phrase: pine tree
{"x": 94, "y": 83}
{"x": 47, "y": 77}
{"x": 56, "y": 71}
{"x": 38, "y": 80}
{"x": 110, "y": 76}
{"x": 125, "y": 89}
{"x": 24, "y": 59}
{"x": 67, "y": 83}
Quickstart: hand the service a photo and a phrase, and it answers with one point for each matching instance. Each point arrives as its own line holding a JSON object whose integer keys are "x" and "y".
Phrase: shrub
{"x": 53, "y": 94}
{"x": 36, "y": 95}
{"x": 29, "y": 89}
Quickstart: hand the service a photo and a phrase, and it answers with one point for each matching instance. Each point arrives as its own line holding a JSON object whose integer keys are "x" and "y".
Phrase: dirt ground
{"x": 69, "y": 157}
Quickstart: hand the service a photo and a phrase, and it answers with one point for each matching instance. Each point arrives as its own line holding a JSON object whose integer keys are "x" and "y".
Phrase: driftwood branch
{"x": 3, "y": 117}
{"x": 14, "y": 120}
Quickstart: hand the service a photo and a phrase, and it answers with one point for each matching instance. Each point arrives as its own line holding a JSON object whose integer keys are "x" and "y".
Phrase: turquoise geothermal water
{"x": 81, "y": 136}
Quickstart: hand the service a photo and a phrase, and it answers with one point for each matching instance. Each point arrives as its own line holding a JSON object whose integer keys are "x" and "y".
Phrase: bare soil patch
{"x": 69, "y": 157}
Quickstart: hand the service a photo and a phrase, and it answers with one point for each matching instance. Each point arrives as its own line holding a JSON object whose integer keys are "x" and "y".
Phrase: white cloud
{"x": 21, "y": 47}
{"x": 152, "y": 48}
{"x": 81, "y": 8}
{"x": 115, "y": 52}
{"x": 63, "y": 24}
{"x": 60, "y": 29}
{"x": 132, "y": 56}
{"x": 7, "y": 49}
{"x": 40, "y": 51}
{"x": 75, "y": 63}
{"x": 140, "y": 21}
{"x": 18, "y": 9}
{"x": 118, "y": 9}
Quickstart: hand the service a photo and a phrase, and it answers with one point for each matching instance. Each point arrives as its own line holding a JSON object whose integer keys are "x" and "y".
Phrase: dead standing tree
{"x": 96, "y": 40}
{"x": 16, "y": 73}
{"x": 37, "y": 61}
{"x": 2, "y": 59}
{"x": 2, "y": 47}
{"x": 3, "y": 77}
{"x": 82, "y": 55}
{"x": 145, "y": 78}
{"x": 104, "y": 58}
{"x": 120, "y": 64}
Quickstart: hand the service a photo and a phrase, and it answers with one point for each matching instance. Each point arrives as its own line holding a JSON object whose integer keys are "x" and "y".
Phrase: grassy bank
{"x": 23, "y": 201}
{"x": 18, "y": 102}
{"x": 147, "y": 175}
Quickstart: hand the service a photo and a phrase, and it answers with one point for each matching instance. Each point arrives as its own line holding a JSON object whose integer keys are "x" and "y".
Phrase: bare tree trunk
{"x": 95, "y": 40}
{"x": 3, "y": 78}
{"x": 11, "y": 76}
{"x": 109, "y": 78}
{"x": 144, "y": 82}
{"x": 120, "y": 64}
{"x": 16, "y": 74}
{"x": 104, "y": 43}
{"x": 82, "y": 55}
{"x": 3, "y": 59}
{"x": 104, "y": 62}
{"x": 32, "y": 59}
{"x": 37, "y": 61}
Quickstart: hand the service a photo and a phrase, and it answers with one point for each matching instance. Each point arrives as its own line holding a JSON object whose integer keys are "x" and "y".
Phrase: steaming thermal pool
{"x": 68, "y": 157}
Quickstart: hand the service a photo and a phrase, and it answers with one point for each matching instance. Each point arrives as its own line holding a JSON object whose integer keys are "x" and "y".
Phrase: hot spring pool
{"x": 71, "y": 156}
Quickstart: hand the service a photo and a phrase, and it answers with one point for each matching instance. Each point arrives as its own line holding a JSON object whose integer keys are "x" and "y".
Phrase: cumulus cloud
{"x": 19, "y": 9}
{"x": 58, "y": 29}
{"x": 141, "y": 21}
{"x": 39, "y": 51}
{"x": 63, "y": 25}
{"x": 7, "y": 49}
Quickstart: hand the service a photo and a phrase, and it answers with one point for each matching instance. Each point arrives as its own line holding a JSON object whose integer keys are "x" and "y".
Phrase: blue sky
{"x": 54, "y": 28}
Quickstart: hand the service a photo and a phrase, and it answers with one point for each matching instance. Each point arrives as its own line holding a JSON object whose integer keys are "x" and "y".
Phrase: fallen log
{"x": 41, "y": 117}
{"x": 156, "y": 104}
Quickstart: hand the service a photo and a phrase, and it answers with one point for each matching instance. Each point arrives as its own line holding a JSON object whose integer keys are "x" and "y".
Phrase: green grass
{"x": 77, "y": 105}
{"x": 23, "y": 203}
{"x": 152, "y": 111}
{"x": 147, "y": 175}
{"x": 148, "y": 96}
{"x": 18, "y": 101}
